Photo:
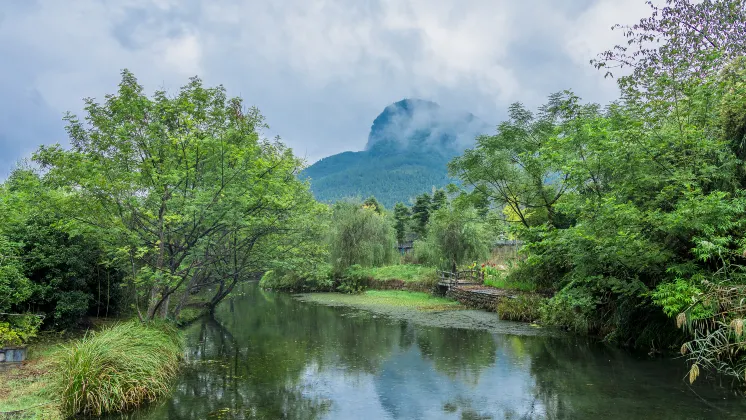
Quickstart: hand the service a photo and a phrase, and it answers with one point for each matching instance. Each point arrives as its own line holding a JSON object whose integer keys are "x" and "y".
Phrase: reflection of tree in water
{"x": 228, "y": 380}
{"x": 577, "y": 378}
{"x": 268, "y": 356}
{"x": 458, "y": 353}
{"x": 250, "y": 361}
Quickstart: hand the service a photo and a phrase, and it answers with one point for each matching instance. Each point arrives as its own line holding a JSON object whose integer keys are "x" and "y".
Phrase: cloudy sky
{"x": 319, "y": 70}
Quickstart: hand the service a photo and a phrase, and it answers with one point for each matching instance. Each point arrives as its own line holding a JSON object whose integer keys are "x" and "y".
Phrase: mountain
{"x": 408, "y": 147}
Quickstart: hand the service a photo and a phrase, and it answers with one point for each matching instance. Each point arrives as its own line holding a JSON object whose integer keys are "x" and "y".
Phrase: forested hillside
{"x": 408, "y": 148}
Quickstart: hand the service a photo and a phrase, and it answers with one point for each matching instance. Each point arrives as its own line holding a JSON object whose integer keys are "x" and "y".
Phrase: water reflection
{"x": 267, "y": 356}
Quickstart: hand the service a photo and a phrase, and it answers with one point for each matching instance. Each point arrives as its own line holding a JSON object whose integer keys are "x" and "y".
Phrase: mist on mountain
{"x": 409, "y": 144}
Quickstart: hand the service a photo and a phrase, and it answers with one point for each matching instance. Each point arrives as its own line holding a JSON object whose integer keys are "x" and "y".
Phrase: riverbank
{"x": 113, "y": 369}
{"x": 510, "y": 302}
{"x": 373, "y": 299}
{"x": 421, "y": 309}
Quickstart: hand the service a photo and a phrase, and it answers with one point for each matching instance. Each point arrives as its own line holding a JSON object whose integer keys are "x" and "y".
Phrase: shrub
{"x": 118, "y": 368}
{"x": 572, "y": 310}
{"x": 523, "y": 308}
{"x": 17, "y": 330}
{"x": 317, "y": 279}
{"x": 355, "y": 280}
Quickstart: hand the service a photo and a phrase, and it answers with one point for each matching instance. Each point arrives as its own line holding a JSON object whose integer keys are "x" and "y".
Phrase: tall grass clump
{"x": 119, "y": 368}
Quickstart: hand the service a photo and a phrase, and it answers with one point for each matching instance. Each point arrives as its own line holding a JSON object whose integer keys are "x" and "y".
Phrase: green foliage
{"x": 373, "y": 204}
{"x": 510, "y": 169}
{"x": 454, "y": 236}
{"x": 524, "y": 308}
{"x": 388, "y": 299}
{"x": 573, "y": 309}
{"x": 677, "y": 296}
{"x": 404, "y": 272}
{"x": 499, "y": 279}
{"x": 119, "y": 368}
{"x": 16, "y": 330}
{"x": 183, "y": 190}
{"x": 63, "y": 261}
{"x": 359, "y": 236}
{"x": 15, "y": 288}
{"x": 716, "y": 321}
{"x": 421, "y": 213}
{"x": 439, "y": 200}
{"x": 318, "y": 278}
{"x": 353, "y": 280}
{"x": 401, "y": 219}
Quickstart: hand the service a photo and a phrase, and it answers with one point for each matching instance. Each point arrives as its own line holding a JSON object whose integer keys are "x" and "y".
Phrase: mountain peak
{"x": 409, "y": 146}
{"x": 418, "y": 123}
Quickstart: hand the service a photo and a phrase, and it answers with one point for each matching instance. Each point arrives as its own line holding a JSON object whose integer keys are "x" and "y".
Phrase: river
{"x": 269, "y": 356}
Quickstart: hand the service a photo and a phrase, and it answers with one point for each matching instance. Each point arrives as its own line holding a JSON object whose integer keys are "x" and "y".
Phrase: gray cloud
{"x": 319, "y": 70}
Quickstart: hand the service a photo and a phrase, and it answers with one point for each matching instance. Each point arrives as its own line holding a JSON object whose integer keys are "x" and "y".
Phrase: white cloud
{"x": 320, "y": 70}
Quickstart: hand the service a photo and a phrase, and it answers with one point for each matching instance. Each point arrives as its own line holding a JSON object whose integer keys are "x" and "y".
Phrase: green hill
{"x": 408, "y": 148}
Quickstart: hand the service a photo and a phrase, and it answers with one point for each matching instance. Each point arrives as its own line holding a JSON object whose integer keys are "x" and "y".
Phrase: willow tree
{"x": 359, "y": 235}
{"x": 180, "y": 184}
{"x": 455, "y": 235}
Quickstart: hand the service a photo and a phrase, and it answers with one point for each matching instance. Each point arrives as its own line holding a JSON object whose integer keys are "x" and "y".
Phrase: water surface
{"x": 269, "y": 356}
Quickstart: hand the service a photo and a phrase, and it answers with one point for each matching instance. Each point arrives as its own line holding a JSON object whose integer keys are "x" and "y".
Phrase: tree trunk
{"x": 164, "y": 307}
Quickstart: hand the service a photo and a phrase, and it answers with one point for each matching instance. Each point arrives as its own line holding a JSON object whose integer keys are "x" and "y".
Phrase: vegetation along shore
{"x": 623, "y": 221}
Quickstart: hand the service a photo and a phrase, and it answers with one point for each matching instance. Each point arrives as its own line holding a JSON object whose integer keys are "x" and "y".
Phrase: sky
{"x": 319, "y": 70}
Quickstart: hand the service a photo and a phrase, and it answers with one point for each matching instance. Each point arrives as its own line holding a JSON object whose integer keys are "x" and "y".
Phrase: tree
{"x": 15, "y": 288}
{"x": 421, "y": 213}
{"x": 439, "y": 200}
{"x": 373, "y": 204}
{"x": 179, "y": 184}
{"x": 675, "y": 48}
{"x": 510, "y": 169}
{"x": 401, "y": 218}
{"x": 361, "y": 236}
{"x": 63, "y": 262}
{"x": 454, "y": 236}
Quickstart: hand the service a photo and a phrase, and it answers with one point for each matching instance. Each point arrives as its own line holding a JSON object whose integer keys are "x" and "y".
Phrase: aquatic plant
{"x": 119, "y": 368}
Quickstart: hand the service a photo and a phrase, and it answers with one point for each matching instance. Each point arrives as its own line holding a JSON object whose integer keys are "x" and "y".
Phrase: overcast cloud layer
{"x": 319, "y": 70}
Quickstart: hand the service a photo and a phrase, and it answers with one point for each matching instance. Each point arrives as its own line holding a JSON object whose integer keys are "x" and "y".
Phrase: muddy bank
{"x": 451, "y": 316}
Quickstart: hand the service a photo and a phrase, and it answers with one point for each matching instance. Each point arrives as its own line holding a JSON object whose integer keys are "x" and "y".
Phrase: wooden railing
{"x": 450, "y": 279}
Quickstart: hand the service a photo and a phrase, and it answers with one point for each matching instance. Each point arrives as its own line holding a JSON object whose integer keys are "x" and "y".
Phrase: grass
{"x": 25, "y": 391}
{"x": 388, "y": 298}
{"x": 404, "y": 272}
{"x": 118, "y": 368}
{"x": 501, "y": 283}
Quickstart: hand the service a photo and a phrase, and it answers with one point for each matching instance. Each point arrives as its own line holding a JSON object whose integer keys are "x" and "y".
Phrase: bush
{"x": 118, "y": 368}
{"x": 355, "y": 280}
{"x": 317, "y": 279}
{"x": 523, "y": 308}
{"x": 17, "y": 330}
{"x": 572, "y": 310}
